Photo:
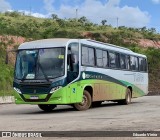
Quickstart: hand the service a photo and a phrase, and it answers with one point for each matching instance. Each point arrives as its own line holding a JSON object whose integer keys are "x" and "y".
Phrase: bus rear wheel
{"x": 46, "y": 107}
{"x": 127, "y": 99}
{"x": 86, "y": 102}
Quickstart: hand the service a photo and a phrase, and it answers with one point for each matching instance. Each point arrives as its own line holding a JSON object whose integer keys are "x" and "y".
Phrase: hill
{"x": 16, "y": 28}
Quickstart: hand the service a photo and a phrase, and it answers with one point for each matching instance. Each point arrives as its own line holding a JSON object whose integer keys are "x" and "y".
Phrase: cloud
{"x": 48, "y": 5}
{"x": 156, "y": 1}
{"x": 4, "y": 6}
{"x": 96, "y": 11}
{"x": 33, "y": 14}
{"x": 25, "y": 12}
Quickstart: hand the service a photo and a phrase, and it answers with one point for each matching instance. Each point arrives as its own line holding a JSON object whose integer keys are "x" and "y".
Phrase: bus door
{"x": 73, "y": 70}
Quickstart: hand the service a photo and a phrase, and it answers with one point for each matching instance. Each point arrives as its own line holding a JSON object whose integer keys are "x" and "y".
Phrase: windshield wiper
{"x": 45, "y": 76}
{"x": 24, "y": 77}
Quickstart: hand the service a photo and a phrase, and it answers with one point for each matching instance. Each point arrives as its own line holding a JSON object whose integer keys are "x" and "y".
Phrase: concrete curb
{"x": 6, "y": 99}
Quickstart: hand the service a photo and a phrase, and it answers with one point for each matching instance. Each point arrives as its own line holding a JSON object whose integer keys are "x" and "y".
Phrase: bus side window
{"x": 73, "y": 50}
{"x": 88, "y": 58}
{"x": 114, "y": 60}
{"x": 84, "y": 56}
{"x": 91, "y": 56}
{"x": 128, "y": 62}
{"x": 145, "y": 64}
{"x": 73, "y": 62}
{"x": 99, "y": 58}
{"x": 105, "y": 59}
{"x": 123, "y": 61}
{"x": 142, "y": 64}
{"x": 117, "y": 60}
{"x": 134, "y": 63}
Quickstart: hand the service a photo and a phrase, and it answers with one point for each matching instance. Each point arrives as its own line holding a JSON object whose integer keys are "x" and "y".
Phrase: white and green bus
{"x": 77, "y": 72}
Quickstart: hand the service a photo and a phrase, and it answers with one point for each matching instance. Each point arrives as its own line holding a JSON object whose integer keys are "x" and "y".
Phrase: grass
{"x": 6, "y": 93}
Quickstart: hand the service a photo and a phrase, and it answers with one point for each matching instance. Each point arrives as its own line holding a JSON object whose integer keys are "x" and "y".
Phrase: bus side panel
{"x": 105, "y": 90}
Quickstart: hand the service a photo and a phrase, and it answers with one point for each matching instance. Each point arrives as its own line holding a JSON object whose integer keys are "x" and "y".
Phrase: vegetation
{"x": 18, "y": 24}
{"x": 6, "y": 74}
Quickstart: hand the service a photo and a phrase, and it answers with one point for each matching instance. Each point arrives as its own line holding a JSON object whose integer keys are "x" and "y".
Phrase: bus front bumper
{"x": 58, "y": 97}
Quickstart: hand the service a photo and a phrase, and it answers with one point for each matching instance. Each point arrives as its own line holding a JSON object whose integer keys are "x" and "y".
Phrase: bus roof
{"x": 44, "y": 43}
{"x": 60, "y": 42}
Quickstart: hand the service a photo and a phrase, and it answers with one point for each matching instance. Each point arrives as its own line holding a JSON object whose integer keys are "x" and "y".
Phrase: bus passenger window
{"x": 91, "y": 57}
{"x": 142, "y": 64}
{"x": 114, "y": 60}
{"x": 134, "y": 63}
{"x": 99, "y": 58}
{"x": 84, "y": 55}
{"x": 88, "y": 56}
{"x": 145, "y": 65}
{"x": 105, "y": 59}
{"x": 127, "y": 62}
{"x": 123, "y": 61}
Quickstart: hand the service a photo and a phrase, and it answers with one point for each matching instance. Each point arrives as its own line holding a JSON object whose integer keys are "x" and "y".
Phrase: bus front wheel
{"x": 127, "y": 99}
{"x": 86, "y": 102}
{"x": 46, "y": 108}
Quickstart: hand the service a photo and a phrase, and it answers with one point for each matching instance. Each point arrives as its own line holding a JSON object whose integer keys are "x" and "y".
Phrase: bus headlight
{"x": 55, "y": 89}
{"x": 18, "y": 90}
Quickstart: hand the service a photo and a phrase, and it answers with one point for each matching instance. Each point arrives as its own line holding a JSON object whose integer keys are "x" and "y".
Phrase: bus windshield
{"x": 40, "y": 64}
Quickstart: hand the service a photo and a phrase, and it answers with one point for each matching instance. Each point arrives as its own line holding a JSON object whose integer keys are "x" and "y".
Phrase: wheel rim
{"x": 84, "y": 101}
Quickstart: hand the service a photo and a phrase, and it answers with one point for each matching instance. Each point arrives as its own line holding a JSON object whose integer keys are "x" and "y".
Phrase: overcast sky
{"x": 130, "y": 13}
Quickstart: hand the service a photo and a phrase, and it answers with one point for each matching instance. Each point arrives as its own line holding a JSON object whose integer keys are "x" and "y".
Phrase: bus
{"x": 77, "y": 72}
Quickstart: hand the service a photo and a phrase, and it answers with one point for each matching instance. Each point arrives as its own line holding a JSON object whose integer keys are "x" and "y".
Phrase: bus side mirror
{"x": 7, "y": 54}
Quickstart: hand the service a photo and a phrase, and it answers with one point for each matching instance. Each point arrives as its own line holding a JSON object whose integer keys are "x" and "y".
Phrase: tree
{"x": 152, "y": 30}
{"x": 54, "y": 17}
{"x": 104, "y": 22}
{"x": 83, "y": 20}
{"x": 143, "y": 29}
{"x": 13, "y": 14}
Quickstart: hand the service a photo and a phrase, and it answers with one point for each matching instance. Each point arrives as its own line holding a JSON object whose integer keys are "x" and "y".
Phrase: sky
{"x": 130, "y": 13}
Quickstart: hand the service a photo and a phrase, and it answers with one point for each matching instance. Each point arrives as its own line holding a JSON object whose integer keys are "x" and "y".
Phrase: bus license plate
{"x": 34, "y": 97}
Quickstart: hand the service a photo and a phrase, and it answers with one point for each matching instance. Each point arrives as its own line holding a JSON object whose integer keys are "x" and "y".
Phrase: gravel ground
{"x": 142, "y": 115}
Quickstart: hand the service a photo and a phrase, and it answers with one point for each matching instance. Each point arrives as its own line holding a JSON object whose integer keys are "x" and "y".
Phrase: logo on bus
{"x": 83, "y": 75}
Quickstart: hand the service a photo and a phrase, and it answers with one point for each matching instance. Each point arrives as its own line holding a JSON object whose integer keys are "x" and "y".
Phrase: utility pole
{"x": 117, "y": 22}
{"x": 76, "y": 14}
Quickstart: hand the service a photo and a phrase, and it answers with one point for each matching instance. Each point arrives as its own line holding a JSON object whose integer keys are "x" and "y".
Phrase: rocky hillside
{"x": 17, "y": 28}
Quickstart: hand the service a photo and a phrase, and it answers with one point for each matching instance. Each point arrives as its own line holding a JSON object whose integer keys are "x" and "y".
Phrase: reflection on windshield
{"x": 40, "y": 63}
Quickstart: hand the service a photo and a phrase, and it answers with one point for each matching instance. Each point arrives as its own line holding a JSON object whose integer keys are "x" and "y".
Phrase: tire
{"x": 86, "y": 102}
{"x": 46, "y": 108}
{"x": 96, "y": 104}
{"x": 127, "y": 99}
